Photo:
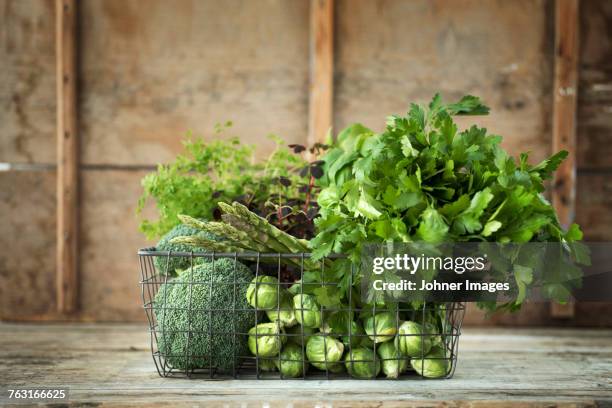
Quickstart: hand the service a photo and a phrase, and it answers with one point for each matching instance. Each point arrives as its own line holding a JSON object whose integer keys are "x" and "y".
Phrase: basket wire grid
{"x": 248, "y": 366}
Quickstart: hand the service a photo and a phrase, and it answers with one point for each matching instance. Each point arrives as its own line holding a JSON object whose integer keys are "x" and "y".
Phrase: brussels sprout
{"x": 366, "y": 342}
{"x": 307, "y": 310}
{"x": 357, "y": 335}
{"x": 410, "y": 340}
{"x": 266, "y": 339}
{"x": 266, "y": 364}
{"x": 295, "y": 288}
{"x": 296, "y": 336}
{"x": 292, "y": 361}
{"x": 434, "y": 365}
{"x": 381, "y": 327}
{"x": 362, "y": 363}
{"x": 285, "y": 314}
{"x": 325, "y": 352}
{"x": 263, "y": 292}
{"x": 393, "y": 362}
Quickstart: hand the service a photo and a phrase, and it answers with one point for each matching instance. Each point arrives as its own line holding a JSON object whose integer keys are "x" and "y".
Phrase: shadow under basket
{"x": 200, "y": 322}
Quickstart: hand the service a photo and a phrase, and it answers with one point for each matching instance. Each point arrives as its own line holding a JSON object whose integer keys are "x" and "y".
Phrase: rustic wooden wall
{"x": 27, "y": 135}
{"x": 392, "y": 52}
{"x": 147, "y": 75}
{"x": 594, "y": 161}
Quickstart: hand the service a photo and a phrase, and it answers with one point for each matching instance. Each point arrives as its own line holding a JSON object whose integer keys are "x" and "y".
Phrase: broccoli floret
{"x": 175, "y": 264}
{"x": 197, "y": 321}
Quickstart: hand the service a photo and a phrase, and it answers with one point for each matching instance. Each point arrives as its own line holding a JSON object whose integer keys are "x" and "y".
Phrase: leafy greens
{"x": 422, "y": 179}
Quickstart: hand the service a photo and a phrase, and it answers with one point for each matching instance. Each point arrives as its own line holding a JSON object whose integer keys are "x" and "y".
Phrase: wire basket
{"x": 201, "y": 324}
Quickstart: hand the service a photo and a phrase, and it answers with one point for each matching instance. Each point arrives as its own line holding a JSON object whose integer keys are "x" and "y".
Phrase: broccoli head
{"x": 197, "y": 321}
{"x": 175, "y": 264}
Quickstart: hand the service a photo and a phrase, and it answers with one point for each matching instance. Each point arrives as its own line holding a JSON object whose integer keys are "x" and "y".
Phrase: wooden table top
{"x": 111, "y": 365}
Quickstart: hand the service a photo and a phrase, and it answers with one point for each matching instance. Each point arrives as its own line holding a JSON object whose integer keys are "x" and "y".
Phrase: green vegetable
{"x": 267, "y": 364}
{"x": 243, "y": 230}
{"x": 266, "y": 339}
{"x": 434, "y": 365}
{"x": 357, "y": 335}
{"x": 224, "y": 170}
{"x": 325, "y": 352}
{"x": 285, "y": 314}
{"x": 393, "y": 362}
{"x": 422, "y": 179}
{"x": 292, "y": 361}
{"x": 411, "y": 341}
{"x": 175, "y": 264}
{"x": 381, "y": 327}
{"x": 189, "y": 336}
{"x": 307, "y": 311}
{"x": 263, "y": 292}
{"x": 362, "y": 363}
{"x": 299, "y": 334}
{"x": 261, "y": 229}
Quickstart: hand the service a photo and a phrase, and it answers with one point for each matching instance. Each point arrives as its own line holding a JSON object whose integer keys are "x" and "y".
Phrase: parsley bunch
{"x": 422, "y": 179}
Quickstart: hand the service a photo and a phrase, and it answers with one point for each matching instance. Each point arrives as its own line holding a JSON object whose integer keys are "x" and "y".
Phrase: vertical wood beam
{"x": 320, "y": 109}
{"x": 67, "y": 157}
{"x": 564, "y": 118}
{"x": 564, "y": 106}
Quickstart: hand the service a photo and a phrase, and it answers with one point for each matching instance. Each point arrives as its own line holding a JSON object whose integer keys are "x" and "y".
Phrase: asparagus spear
{"x": 200, "y": 242}
{"x": 268, "y": 241}
{"x": 245, "y": 230}
{"x": 289, "y": 241}
{"x": 237, "y": 237}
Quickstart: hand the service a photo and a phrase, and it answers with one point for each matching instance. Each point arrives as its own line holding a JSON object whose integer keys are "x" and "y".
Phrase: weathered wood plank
{"x": 109, "y": 241}
{"x": 595, "y": 86}
{"x": 392, "y": 52}
{"x": 564, "y": 107}
{"x": 565, "y": 89}
{"x": 593, "y": 203}
{"x": 27, "y": 82}
{"x": 111, "y": 365}
{"x": 67, "y": 158}
{"x": 321, "y": 70}
{"x": 184, "y": 67}
{"x": 27, "y": 258}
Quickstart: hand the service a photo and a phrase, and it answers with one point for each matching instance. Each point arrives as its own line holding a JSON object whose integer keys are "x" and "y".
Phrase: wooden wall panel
{"x": 594, "y": 135}
{"x": 27, "y": 81}
{"x": 595, "y": 86}
{"x": 27, "y": 239}
{"x": 150, "y": 74}
{"x": 594, "y": 206}
{"x": 109, "y": 241}
{"x": 392, "y": 52}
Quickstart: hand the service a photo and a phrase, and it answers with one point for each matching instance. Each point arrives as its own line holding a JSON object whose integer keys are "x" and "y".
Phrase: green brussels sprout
{"x": 292, "y": 361}
{"x": 325, "y": 352}
{"x": 362, "y": 363}
{"x": 410, "y": 340}
{"x": 263, "y": 292}
{"x": 295, "y": 288}
{"x": 285, "y": 314}
{"x": 357, "y": 335}
{"x": 296, "y": 336}
{"x": 381, "y": 327}
{"x": 393, "y": 362}
{"x": 266, "y": 364}
{"x": 366, "y": 342}
{"x": 434, "y": 365}
{"x": 266, "y": 339}
{"x": 307, "y": 311}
